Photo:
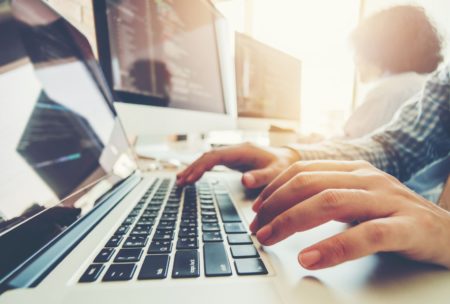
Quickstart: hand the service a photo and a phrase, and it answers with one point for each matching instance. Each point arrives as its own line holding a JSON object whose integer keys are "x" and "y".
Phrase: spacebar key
{"x": 216, "y": 261}
{"x": 186, "y": 264}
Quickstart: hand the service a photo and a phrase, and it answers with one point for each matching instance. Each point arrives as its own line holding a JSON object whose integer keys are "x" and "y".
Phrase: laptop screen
{"x": 62, "y": 146}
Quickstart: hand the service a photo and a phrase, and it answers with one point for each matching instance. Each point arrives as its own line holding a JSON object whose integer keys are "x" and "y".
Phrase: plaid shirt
{"x": 418, "y": 136}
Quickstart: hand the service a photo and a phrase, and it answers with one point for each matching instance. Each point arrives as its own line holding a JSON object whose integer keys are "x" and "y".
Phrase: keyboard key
{"x": 135, "y": 212}
{"x": 104, "y": 255}
{"x": 239, "y": 239}
{"x": 210, "y": 227}
{"x": 186, "y": 264}
{"x": 92, "y": 273}
{"x": 169, "y": 217}
{"x": 244, "y": 251}
{"x": 151, "y": 208}
{"x": 120, "y": 272}
{"x": 250, "y": 267}
{"x": 160, "y": 247}
{"x": 234, "y": 228}
{"x": 190, "y": 224}
{"x": 128, "y": 255}
{"x": 188, "y": 232}
{"x": 212, "y": 236}
{"x": 206, "y": 212}
{"x": 114, "y": 241}
{"x": 208, "y": 208}
{"x": 170, "y": 210}
{"x": 166, "y": 225}
{"x": 122, "y": 230}
{"x": 172, "y": 205}
{"x": 155, "y": 203}
{"x": 216, "y": 260}
{"x": 227, "y": 210}
{"x": 206, "y": 202}
{"x": 129, "y": 220}
{"x": 135, "y": 241}
{"x": 209, "y": 219}
{"x": 187, "y": 243}
{"x": 154, "y": 267}
{"x": 146, "y": 220}
{"x": 189, "y": 216}
{"x": 141, "y": 230}
{"x": 150, "y": 213}
{"x": 163, "y": 235}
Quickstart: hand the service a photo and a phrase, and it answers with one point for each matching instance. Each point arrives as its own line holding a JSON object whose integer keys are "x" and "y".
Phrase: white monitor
{"x": 267, "y": 86}
{"x": 165, "y": 62}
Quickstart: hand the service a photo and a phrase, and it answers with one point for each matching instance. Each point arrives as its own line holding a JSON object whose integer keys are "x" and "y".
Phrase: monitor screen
{"x": 163, "y": 52}
{"x": 267, "y": 81}
{"x": 62, "y": 146}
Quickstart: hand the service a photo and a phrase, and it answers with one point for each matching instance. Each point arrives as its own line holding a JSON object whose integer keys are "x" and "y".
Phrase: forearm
{"x": 360, "y": 149}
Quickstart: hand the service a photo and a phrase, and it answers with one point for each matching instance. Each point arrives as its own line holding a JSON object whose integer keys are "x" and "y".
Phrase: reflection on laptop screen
{"x": 60, "y": 138}
{"x": 165, "y": 51}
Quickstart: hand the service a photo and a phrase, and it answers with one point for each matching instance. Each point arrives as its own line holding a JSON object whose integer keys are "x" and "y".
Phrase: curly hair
{"x": 399, "y": 39}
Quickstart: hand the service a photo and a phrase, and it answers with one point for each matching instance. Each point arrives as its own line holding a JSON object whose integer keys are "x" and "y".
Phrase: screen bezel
{"x": 104, "y": 57}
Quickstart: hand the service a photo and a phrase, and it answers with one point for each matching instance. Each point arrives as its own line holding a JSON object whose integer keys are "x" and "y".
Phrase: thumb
{"x": 259, "y": 178}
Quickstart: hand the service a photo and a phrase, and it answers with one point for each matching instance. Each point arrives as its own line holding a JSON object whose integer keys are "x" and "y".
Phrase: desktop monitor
{"x": 164, "y": 61}
{"x": 267, "y": 85}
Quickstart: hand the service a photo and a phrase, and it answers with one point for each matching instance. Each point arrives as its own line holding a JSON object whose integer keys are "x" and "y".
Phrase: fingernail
{"x": 264, "y": 233}
{"x": 309, "y": 258}
{"x": 249, "y": 180}
{"x": 256, "y": 204}
{"x": 254, "y": 225}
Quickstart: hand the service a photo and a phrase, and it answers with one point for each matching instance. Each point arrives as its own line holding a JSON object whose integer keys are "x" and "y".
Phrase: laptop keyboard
{"x": 193, "y": 231}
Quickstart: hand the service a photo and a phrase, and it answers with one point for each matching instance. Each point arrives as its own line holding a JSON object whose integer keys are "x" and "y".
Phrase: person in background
{"x": 395, "y": 50}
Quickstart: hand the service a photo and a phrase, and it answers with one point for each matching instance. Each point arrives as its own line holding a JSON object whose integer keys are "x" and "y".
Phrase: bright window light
{"x": 317, "y": 33}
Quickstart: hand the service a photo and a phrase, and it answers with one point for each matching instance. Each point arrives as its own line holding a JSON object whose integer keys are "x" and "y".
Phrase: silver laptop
{"x": 80, "y": 223}
{"x": 73, "y": 200}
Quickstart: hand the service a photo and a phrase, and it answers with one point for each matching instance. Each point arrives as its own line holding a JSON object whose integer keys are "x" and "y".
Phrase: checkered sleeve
{"x": 419, "y": 135}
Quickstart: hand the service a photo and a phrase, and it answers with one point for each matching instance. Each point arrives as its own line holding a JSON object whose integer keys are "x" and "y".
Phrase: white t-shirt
{"x": 382, "y": 101}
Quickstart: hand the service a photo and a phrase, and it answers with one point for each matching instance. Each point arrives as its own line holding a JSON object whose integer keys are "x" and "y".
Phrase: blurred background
{"x": 317, "y": 32}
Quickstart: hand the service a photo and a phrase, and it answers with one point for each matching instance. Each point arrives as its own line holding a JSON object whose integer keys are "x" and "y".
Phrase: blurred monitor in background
{"x": 163, "y": 60}
{"x": 267, "y": 85}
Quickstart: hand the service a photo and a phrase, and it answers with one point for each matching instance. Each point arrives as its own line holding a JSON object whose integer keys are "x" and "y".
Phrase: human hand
{"x": 261, "y": 165}
{"x": 392, "y": 218}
